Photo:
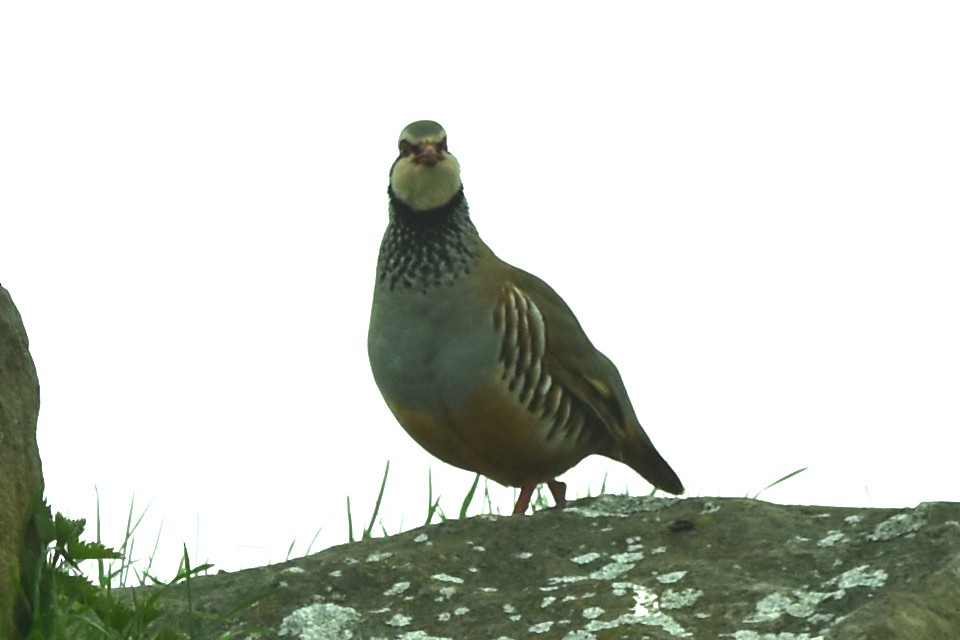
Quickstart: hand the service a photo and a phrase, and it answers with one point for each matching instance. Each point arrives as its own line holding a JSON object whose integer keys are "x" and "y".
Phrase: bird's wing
{"x": 546, "y": 335}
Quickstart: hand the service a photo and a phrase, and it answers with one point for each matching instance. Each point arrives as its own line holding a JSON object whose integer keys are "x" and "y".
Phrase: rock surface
{"x": 614, "y": 567}
{"x": 21, "y": 481}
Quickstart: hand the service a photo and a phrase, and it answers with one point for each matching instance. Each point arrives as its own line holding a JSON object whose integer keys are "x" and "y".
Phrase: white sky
{"x": 752, "y": 207}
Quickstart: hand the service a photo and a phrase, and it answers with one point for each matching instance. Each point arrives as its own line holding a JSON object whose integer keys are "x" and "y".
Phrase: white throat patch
{"x": 423, "y": 187}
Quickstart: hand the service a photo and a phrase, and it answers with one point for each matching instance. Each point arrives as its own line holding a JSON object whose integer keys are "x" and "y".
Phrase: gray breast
{"x": 430, "y": 350}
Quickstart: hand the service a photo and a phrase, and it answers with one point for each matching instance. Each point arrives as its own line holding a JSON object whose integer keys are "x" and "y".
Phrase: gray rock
{"x": 615, "y": 567}
{"x": 21, "y": 480}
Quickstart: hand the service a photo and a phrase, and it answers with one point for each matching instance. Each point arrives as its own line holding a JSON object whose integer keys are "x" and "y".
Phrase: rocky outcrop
{"x": 21, "y": 481}
{"x": 614, "y": 567}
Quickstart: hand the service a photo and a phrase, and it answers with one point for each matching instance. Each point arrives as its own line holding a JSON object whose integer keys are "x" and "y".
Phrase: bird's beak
{"x": 429, "y": 154}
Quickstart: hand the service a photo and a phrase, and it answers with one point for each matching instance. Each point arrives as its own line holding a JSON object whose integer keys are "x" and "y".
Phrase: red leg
{"x": 523, "y": 501}
{"x": 559, "y": 491}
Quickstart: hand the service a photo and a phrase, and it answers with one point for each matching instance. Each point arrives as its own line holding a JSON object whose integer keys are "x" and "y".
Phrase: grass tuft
{"x": 68, "y": 605}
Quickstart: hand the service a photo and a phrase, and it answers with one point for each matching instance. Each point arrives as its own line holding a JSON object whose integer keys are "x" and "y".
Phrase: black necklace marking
{"x": 424, "y": 249}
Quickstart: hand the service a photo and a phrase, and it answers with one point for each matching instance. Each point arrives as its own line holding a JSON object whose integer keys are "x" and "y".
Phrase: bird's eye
{"x": 405, "y": 148}
{"x": 442, "y": 145}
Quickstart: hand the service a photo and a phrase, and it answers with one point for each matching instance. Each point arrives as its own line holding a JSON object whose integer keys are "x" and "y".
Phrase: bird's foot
{"x": 557, "y": 489}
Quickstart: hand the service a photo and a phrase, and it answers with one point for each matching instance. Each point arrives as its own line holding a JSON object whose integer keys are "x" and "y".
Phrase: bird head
{"x": 425, "y": 175}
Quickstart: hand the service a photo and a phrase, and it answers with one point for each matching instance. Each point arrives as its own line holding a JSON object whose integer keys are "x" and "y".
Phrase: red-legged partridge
{"x": 482, "y": 363}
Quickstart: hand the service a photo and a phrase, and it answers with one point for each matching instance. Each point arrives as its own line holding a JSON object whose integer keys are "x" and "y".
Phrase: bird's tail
{"x": 641, "y": 456}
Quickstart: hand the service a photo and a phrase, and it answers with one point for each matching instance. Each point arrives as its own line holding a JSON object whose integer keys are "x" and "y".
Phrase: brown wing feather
{"x": 587, "y": 383}
{"x": 528, "y": 372}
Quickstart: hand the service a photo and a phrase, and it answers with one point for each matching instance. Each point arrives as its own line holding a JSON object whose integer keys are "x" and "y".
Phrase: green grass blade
{"x": 187, "y": 571}
{"x": 314, "y": 539}
{"x": 433, "y": 506}
{"x": 100, "y": 568}
{"x": 467, "y": 499}
{"x": 783, "y": 479}
{"x": 156, "y": 544}
{"x": 368, "y": 532}
{"x": 349, "y": 522}
{"x": 488, "y": 503}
